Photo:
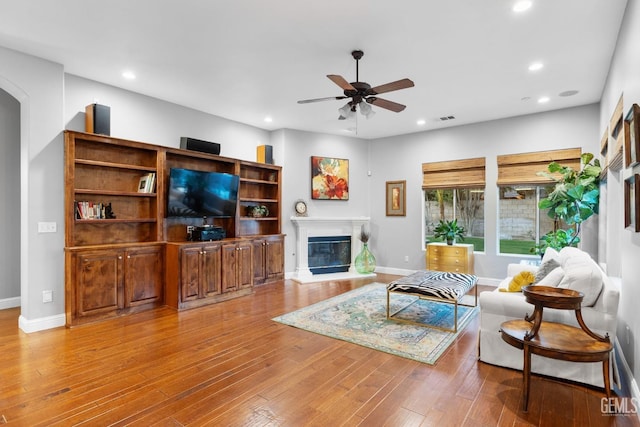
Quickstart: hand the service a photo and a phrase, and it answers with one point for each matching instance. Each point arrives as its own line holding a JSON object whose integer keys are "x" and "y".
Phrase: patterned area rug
{"x": 359, "y": 316}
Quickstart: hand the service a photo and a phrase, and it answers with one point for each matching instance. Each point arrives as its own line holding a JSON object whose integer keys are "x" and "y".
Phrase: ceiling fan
{"x": 360, "y": 91}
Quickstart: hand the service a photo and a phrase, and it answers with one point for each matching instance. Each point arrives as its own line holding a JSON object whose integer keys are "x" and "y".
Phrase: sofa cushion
{"x": 580, "y": 274}
{"x": 521, "y": 279}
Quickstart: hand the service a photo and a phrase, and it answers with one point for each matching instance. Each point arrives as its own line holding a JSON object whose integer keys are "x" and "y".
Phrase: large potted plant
{"x": 449, "y": 231}
{"x": 574, "y": 199}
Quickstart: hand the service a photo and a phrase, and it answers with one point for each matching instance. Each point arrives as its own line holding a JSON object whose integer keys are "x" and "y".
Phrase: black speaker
{"x": 98, "y": 119}
{"x": 265, "y": 154}
{"x": 199, "y": 145}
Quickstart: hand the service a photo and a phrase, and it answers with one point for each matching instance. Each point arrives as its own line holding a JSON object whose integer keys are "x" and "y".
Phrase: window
{"x": 521, "y": 223}
{"x": 464, "y": 204}
{"x": 455, "y": 190}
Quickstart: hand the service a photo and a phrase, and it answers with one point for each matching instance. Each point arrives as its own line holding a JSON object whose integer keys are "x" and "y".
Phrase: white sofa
{"x": 577, "y": 271}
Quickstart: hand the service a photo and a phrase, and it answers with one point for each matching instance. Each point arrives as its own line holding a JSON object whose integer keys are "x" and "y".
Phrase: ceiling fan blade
{"x": 397, "y": 85}
{"x": 383, "y": 103}
{"x": 329, "y": 98}
{"x": 340, "y": 81}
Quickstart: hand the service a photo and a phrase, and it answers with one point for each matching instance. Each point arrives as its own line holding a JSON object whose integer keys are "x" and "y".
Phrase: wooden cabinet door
{"x": 210, "y": 271}
{"x": 143, "y": 269}
{"x": 259, "y": 260}
{"x": 229, "y": 269}
{"x": 99, "y": 282}
{"x": 244, "y": 265}
{"x": 189, "y": 273}
{"x": 274, "y": 257}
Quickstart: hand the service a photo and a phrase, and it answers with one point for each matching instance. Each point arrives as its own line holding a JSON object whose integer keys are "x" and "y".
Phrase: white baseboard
{"x": 9, "y": 303}
{"x": 35, "y": 325}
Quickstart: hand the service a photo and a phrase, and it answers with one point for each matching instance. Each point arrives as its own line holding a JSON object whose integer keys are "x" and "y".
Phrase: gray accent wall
{"x": 9, "y": 200}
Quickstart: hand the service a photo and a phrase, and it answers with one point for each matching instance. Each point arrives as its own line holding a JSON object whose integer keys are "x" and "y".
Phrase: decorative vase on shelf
{"x": 365, "y": 261}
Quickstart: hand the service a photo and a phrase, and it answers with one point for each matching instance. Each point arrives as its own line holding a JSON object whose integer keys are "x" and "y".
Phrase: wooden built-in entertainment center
{"x": 138, "y": 258}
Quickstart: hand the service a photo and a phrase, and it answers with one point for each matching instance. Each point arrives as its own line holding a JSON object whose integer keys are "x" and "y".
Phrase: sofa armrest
{"x": 513, "y": 269}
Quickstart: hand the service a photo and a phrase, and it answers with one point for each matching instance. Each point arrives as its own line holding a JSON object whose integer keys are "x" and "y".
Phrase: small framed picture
{"x": 632, "y": 136}
{"x": 632, "y": 202}
{"x": 396, "y": 198}
{"x": 143, "y": 183}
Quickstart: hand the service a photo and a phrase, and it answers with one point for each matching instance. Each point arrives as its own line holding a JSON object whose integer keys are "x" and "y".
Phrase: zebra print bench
{"x": 437, "y": 286}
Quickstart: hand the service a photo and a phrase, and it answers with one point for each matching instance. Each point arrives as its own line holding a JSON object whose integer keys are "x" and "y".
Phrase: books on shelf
{"x": 93, "y": 210}
{"x": 147, "y": 183}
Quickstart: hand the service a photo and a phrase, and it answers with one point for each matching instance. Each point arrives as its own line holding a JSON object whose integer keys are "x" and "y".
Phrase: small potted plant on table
{"x": 449, "y": 231}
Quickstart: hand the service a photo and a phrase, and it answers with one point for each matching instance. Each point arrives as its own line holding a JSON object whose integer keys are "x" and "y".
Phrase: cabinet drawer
{"x": 462, "y": 267}
{"x": 448, "y": 251}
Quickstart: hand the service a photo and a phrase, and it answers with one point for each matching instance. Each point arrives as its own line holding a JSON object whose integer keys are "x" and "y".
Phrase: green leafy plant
{"x": 257, "y": 211}
{"x": 574, "y": 199}
{"x": 449, "y": 231}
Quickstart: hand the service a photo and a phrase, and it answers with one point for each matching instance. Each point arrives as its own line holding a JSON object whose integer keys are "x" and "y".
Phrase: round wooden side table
{"x": 555, "y": 340}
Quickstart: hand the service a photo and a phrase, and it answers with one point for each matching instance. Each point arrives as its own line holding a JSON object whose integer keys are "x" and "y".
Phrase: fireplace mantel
{"x": 326, "y": 226}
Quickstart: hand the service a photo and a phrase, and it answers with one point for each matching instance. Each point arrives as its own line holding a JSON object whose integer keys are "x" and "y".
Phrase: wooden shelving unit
{"x": 121, "y": 264}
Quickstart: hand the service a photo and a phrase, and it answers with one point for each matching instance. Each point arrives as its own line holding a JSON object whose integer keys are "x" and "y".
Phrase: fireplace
{"x": 329, "y": 254}
{"x": 312, "y": 227}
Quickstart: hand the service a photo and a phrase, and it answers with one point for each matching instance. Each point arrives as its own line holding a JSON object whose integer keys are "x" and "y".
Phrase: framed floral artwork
{"x": 329, "y": 178}
{"x": 396, "y": 195}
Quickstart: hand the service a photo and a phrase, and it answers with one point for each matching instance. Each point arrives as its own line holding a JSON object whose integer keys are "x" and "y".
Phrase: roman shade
{"x": 518, "y": 169}
{"x": 467, "y": 173}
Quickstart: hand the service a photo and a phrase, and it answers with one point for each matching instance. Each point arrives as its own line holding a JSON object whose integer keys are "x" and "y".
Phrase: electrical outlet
{"x": 406, "y": 258}
{"x": 47, "y": 227}
{"x": 47, "y": 296}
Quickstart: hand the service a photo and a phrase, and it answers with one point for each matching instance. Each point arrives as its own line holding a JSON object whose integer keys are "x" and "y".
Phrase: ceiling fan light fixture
{"x": 346, "y": 111}
{"x": 366, "y": 110}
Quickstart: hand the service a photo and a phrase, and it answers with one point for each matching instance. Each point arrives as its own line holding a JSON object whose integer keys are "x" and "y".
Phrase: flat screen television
{"x": 196, "y": 193}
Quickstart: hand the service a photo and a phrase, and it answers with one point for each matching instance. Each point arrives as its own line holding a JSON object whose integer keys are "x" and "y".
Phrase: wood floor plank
{"x": 230, "y": 364}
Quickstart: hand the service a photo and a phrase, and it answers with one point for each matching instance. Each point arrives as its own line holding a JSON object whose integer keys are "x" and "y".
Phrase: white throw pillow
{"x": 582, "y": 275}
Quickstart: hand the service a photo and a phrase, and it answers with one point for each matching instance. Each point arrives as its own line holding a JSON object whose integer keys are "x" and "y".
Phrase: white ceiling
{"x": 247, "y": 59}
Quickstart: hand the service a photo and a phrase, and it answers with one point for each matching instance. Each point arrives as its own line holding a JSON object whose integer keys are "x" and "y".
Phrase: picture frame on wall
{"x": 632, "y": 202}
{"x": 329, "y": 178}
{"x": 632, "y": 136}
{"x": 396, "y": 195}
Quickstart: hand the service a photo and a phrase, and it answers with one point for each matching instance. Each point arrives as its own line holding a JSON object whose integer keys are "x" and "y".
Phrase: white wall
{"x": 38, "y": 86}
{"x": 401, "y": 158}
{"x": 623, "y": 246}
{"x": 9, "y": 200}
{"x": 142, "y": 118}
{"x": 298, "y": 147}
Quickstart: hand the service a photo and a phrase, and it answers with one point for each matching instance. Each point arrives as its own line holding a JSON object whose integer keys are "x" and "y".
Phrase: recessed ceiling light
{"x": 568, "y": 93}
{"x": 421, "y": 122}
{"x": 536, "y": 66}
{"x": 522, "y": 5}
{"x": 543, "y": 99}
{"x": 129, "y": 75}
{"x": 268, "y": 119}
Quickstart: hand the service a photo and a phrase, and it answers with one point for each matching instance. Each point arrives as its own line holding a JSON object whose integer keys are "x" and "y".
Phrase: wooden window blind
{"x": 517, "y": 169}
{"x": 467, "y": 173}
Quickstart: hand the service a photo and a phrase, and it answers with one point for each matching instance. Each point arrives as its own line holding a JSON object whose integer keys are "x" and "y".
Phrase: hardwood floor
{"x": 229, "y": 364}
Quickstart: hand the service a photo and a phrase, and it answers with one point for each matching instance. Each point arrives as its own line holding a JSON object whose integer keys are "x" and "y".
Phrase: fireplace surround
{"x": 326, "y": 226}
